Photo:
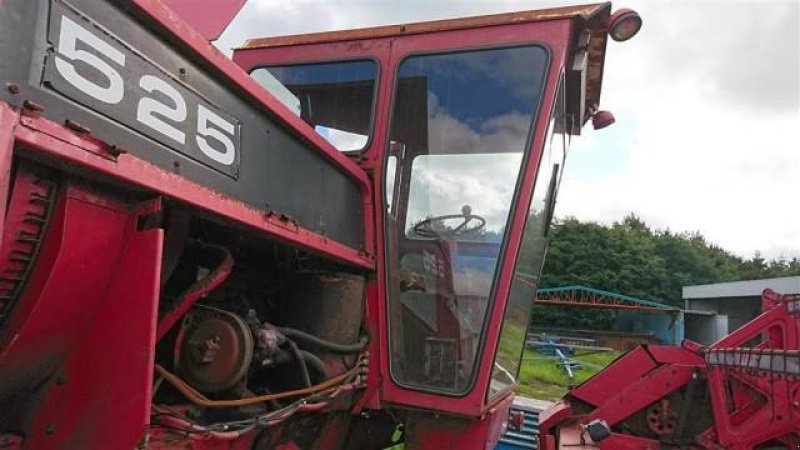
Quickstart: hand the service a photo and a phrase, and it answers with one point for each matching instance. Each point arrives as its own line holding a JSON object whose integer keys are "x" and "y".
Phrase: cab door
{"x": 469, "y": 117}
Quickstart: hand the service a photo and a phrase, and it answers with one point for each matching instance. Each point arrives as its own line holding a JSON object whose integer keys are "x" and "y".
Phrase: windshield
{"x": 460, "y": 129}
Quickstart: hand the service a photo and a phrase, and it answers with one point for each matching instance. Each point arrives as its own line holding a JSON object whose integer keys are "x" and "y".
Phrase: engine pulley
{"x": 216, "y": 350}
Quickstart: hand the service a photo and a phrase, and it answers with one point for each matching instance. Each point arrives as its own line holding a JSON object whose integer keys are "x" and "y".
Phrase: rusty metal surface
{"x": 442, "y": 432}
{"x": 30, "y": 207}
{"x": 585, "y": 12}
{"x": 217, "y": 350}
{"x": 56, "y": 141}
{"x": 330, "y": 306}
{"x": 594, "y": 70}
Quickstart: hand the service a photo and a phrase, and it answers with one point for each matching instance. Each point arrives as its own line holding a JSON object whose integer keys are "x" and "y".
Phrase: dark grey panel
{"x": 172, "y": 111}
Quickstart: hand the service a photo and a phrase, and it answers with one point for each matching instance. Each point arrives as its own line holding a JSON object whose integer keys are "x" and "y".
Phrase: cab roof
{"x": 589, "y": 35}
{"x": 582, "y": 13}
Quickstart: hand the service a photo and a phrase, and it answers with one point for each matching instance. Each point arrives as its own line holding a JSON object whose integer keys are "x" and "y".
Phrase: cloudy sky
{"x": 707, "y": 101}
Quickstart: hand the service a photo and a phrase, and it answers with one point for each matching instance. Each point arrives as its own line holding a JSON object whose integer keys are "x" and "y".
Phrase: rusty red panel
{"x": 209, "y": 17}
{"x": 554, "y": 415}
{"x": 57, "y": 141}
{"x": 63, "y": 290}
{"x": 675, "y": 355}
{"x": 629, "y": 397}
{"x": 628, "y": 442}
{"x": 429, "y": 432}
{"x": 101, "y": 396}
{"x": 625, "y": 370}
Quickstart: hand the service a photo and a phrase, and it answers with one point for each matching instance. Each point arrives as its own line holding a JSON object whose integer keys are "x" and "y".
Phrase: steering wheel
{"x": 435, "y": 227}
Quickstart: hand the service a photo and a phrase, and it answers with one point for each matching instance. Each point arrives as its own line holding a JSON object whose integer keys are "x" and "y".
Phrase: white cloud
{"x": 692, "y": 167}
{"x": 442, "y": 184}
{"x": 710, "y": 149}
{"x": 468, "y": 167}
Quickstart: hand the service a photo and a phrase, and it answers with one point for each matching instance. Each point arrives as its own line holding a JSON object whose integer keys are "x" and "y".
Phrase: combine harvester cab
{"x": 742, "y": 393}
{"x": 330, "y": 242}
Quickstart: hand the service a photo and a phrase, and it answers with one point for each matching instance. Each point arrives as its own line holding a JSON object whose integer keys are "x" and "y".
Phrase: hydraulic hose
{"x": 314, "y": 363}
{"x": 301, "y": 362}
{"x": 199, "y": 399}
{"x": 322, "y": 343}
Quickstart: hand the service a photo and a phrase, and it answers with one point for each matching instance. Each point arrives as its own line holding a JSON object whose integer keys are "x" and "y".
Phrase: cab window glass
{"x": 530, "y": 258}
{"x": 335, "y": 98}
{"x": 460, "y": 129}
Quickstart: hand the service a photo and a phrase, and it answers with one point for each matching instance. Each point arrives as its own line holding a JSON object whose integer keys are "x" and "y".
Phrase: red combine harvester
{"x": 740, "y": 393}
{"x": 332, "y": 241}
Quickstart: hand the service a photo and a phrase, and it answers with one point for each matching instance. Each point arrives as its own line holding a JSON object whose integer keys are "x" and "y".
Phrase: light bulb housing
{"x": 602, "y": 119}
{"x": 623, "y": 24}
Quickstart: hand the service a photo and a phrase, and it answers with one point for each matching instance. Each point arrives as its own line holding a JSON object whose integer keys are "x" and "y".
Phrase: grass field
{"x": 540, "y": 377}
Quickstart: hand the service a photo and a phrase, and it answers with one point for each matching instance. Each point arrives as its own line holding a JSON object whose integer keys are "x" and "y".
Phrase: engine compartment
{"x": 251, "y": 330}
{"x": 241, "y": 332}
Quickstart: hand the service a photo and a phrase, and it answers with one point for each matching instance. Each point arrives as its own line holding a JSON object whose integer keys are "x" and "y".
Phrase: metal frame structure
{"x": 586, "y": 297}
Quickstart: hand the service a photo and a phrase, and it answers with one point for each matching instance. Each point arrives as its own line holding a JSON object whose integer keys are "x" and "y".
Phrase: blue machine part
{"x": 549, "y": 347}
{"x": 525, "y": 438}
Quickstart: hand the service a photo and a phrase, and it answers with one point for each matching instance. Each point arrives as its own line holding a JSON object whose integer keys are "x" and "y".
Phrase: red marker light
{"x": 602, "y": 119}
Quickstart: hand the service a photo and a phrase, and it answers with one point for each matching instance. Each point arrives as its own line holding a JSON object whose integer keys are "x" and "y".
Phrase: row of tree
{"x": 631, "y": 258}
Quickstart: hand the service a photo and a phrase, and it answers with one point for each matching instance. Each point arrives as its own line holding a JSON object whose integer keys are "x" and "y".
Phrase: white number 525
{"x": 214, "y": 135}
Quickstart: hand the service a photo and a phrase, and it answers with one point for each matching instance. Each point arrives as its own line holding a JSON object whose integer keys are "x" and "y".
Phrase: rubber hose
{"x": 314, "y": 363}
{"x": 199, "y": 399}
{"x": 322, "y": 343}
{"x": 301, "y": 362}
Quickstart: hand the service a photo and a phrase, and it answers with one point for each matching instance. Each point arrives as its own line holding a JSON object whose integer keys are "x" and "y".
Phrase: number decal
{"x": 71, "y": 33}
{"x": 205, "y": 117}
{"x": 138, "y": 94}
{"x": 148, "y": 106}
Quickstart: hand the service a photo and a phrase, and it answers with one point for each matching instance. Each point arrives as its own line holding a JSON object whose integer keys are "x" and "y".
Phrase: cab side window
{"x": 335, "y": 98}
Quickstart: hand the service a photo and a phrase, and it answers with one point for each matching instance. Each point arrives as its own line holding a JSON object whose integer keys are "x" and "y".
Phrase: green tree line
{"x": 632, "y": 258}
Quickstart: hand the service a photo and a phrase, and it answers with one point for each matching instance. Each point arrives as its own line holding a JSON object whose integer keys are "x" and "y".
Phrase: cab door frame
{"x": 553, "y": 35}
